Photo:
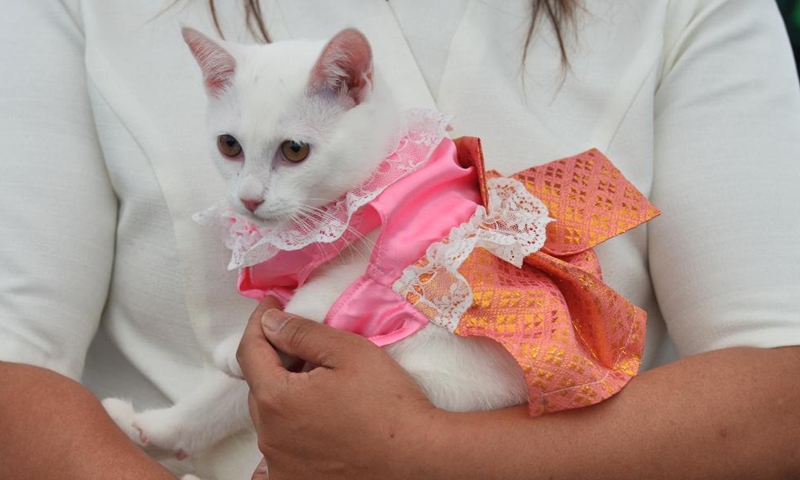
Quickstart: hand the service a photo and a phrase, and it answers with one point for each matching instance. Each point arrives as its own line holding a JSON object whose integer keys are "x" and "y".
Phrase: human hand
{"x": 358, "y": 414}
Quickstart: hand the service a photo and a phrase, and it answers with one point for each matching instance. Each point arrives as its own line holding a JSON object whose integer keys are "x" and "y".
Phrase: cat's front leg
{"x": 225, "y": 356}
{"x": 217, "y": 409}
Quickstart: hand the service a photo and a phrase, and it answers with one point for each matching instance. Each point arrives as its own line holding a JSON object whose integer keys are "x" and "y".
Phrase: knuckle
{"x": 298, "y": 333}
{"x": 273, "y": 401}
{"x": 262, "y": 393}
{"x": 328, "y": 359}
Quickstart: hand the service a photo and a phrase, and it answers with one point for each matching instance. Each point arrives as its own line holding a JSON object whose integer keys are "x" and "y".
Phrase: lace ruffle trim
{"x": 514, "y": 228}
{"x": 420, "y": 132}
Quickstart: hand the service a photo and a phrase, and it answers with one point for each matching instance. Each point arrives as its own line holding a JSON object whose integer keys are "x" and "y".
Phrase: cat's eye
{"x": 294, "y": 151}
{"x": 229, "y": 146}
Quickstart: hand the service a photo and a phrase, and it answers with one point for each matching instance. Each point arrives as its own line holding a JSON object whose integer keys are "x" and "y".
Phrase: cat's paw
{"x": 160, "y": 430}
{"x": 167, "y": 431}
{"x": 225, "y": 356}
{"x": 123, "y": 414}
{"x": 189, "y": 477}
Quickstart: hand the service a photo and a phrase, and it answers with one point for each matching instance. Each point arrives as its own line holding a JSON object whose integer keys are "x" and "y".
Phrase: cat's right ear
{"x": 218, "y": 66}
{"x": 344, "y": 67}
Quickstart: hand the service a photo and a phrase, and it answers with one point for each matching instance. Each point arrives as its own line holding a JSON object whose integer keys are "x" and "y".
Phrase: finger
{"x": 311, "y": 341}
{"x": 258, "y": 360}
{"x": 266, "y": 303}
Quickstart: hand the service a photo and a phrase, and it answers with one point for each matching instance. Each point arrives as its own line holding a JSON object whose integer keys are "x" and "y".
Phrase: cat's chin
{"x": 268, "y": 223}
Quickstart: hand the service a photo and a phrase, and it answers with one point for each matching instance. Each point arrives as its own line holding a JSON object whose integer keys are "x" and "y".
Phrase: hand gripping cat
{"x": 353, "y": 213}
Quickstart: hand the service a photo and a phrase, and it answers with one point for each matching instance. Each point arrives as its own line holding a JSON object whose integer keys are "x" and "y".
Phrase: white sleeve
{"x": 725, "y": 254}
{"x": 57, "y": 209}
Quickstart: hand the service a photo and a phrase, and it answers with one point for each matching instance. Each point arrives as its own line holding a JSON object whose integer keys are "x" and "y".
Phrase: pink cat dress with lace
{"x": 476, "y": 253}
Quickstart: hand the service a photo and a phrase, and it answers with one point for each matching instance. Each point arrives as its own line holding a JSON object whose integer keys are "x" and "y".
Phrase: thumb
{"x": 311, "y": 341}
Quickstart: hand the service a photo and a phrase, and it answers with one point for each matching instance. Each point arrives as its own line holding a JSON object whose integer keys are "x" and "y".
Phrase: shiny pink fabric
{"x": 414, "y": 212}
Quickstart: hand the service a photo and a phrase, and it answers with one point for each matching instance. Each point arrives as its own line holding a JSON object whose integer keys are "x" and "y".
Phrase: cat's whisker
{"x": 303, "y": 222}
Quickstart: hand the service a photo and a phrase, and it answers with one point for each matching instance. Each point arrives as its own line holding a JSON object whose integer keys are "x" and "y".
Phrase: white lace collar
{"x": 419, "y": 133}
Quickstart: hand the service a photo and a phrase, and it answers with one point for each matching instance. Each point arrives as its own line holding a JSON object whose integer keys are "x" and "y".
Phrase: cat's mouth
{"x": 265, "y": 221}
{"x": 299, "y": 219}
{"x": 270, "y": 218}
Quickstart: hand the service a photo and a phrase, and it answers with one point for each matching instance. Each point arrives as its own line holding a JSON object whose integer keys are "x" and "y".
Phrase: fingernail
{"x": 274, "y": 319}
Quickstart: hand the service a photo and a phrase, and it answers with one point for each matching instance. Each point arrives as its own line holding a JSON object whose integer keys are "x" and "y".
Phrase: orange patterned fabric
{"x": 589, "y": 198}
{"x": 577, "y": 341}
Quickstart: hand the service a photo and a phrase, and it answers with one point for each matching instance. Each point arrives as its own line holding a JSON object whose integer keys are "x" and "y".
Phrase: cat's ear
{"x": 217, "y": 64}
{"x": 344, "y": 67}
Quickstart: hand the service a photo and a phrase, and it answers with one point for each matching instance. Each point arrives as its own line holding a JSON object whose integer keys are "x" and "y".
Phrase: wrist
{"x": 468, "y": 445}
{"x": 426, "y": 455}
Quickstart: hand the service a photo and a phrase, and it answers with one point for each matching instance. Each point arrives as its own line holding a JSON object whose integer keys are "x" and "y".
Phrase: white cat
{"x": 295, "y": 125}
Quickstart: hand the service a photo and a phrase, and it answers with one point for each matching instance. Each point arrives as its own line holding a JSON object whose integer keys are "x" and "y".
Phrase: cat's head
{"x": 293, "y": 125}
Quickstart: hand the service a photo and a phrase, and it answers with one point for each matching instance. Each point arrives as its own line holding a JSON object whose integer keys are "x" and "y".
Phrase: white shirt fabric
{"x": 104, "y": 161}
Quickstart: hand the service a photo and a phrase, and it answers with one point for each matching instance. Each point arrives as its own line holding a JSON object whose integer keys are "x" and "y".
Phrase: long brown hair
{"x": 253, "y": 19}
{"x": 558, "y": 12}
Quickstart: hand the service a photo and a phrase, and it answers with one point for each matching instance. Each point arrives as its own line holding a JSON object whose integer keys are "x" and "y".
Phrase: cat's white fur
{"x": 306, "y": 91}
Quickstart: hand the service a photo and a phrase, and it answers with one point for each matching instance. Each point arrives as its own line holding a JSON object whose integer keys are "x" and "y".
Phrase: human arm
{"x": 58, "y": 218}
{"x": 726, "y": 414}
{"x": 52, "y": 426}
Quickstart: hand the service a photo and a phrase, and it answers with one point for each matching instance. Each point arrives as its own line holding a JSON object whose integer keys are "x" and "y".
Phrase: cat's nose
{"x": 252, "y": 204}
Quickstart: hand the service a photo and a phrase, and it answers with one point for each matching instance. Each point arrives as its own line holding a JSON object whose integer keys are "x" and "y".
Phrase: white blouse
{"x": 104, "y": 161}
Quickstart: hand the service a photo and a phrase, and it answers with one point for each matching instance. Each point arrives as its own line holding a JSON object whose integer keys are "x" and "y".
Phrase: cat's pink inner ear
{"x": 345, "y": 66}
{"x": 218, "y": 66}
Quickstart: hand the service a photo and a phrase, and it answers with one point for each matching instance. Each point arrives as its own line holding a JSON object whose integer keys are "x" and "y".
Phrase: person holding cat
{"x": 696, "y": 102}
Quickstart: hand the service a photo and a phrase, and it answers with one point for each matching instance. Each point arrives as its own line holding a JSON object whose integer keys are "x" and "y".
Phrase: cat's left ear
{"x": 217, "y": 64}
{"x": 344, "y": 67}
